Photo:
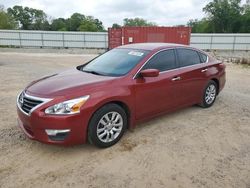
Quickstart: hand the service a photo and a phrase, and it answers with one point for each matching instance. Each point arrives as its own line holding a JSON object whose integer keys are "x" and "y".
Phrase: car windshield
{"x": 116, "y": 62}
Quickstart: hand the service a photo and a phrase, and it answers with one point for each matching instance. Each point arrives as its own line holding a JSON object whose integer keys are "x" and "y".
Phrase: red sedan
{"x": 99, "y": 100}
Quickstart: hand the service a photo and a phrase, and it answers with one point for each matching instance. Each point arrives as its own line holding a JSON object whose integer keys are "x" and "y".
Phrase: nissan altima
{"x": 96, "y": 102}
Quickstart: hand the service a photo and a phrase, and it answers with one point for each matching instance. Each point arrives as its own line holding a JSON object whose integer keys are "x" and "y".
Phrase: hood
{"x": 64, "y": 83}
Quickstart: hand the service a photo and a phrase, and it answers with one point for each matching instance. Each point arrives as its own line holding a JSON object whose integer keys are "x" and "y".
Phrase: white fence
{"x": 221, "y": 41}
{"x": 54, "y": 39}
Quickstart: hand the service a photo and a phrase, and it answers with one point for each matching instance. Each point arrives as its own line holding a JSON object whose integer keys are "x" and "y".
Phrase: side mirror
{"x": 149, "y": 73}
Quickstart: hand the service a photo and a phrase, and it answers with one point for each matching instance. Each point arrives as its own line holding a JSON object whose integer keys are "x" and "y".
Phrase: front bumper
{"x": 36, "y": 124}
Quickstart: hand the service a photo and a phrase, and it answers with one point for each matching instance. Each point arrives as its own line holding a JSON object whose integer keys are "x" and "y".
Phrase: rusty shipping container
{"x": 128, "y": 35}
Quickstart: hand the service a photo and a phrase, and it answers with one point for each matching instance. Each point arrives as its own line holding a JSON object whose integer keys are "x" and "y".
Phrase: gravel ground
{"x": 193, "y": 147}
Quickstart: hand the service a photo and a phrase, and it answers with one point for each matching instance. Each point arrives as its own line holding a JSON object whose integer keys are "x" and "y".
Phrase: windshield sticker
{"x": 136, "y": 53}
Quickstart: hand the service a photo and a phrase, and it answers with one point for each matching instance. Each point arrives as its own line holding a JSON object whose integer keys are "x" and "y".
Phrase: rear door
{"x": 193, "y": 77}
{"x": 157, "y": 94}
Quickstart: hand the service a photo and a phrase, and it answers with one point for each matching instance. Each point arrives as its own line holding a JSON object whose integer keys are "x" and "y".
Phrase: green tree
{"x": 59, "y": 24}
{"x": 90, "y": 24}
{"x": 200, "y": 26}
{"x": 74, "y": 22}
{"x": 98, "y": 23}
{"x": 137, "y": 22}
{"x": 39, "y": 20}
{"x": 6, "y": 21}
{"x": 224, "y": 15}
{"x": 80, "y": 22}
{"x": 116, "y": 25}
{"x": 87, "y": 25}
{"x": 245, "y": 25}
{"x": 29, "y": 18}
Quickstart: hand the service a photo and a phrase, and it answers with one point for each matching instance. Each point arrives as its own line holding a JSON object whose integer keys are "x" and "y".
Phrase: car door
{"x": 192, "y": 75}
{"x": 157, "y": 94}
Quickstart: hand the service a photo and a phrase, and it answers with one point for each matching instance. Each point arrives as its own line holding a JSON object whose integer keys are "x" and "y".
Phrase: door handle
{"x": 204, "y": 70}
{"x": 176, "y": 78}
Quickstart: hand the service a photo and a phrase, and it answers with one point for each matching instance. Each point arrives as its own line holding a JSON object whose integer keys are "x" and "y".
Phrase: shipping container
{"x": 128, "y": 35}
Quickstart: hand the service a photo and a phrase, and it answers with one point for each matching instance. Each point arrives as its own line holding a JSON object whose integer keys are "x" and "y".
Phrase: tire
{"x": 107, "y": 125}
{"x": 209, "y": 94}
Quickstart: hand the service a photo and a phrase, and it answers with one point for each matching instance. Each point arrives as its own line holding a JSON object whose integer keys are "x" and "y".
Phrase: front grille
{"x": 29, "y": 104}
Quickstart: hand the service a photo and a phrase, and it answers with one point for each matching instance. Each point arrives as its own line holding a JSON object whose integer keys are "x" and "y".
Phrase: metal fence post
{"x": 20, "y": 40}
{"x": 234, "y": 43}
{"x": 105, "y": 40}
{"x": 84, "y": 40}
{"x": 42, "y": 40}
{"x": 63, "y": 40}
{"x": 211, "y": 42}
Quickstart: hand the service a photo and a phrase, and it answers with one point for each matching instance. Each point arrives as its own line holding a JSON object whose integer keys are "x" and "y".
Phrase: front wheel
{"x": 209, "y": 94}
{"x": 107, "y": 125}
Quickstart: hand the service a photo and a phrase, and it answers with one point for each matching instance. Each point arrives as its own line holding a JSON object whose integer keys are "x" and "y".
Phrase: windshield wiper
{"x": 92, "y": 72}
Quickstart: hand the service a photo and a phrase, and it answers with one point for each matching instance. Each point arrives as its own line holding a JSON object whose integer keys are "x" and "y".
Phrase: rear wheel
{"x": 209, "y": 94}
{"x": 107, "y": 125}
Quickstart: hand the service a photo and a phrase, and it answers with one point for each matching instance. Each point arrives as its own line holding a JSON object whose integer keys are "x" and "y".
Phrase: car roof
{"x": 151, "y": 46}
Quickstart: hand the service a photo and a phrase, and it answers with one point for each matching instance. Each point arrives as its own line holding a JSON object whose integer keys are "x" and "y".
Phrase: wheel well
{"x": 119, "y": 103}
{"x": 123, "y": 106}
{"x": 217, "y": 83}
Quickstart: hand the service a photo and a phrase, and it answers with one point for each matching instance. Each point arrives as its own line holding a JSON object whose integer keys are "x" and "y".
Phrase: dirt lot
{"x": 193, "y": 147}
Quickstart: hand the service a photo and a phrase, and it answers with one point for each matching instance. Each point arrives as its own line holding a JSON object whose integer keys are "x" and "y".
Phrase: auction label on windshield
{"x": 135, "y": 53}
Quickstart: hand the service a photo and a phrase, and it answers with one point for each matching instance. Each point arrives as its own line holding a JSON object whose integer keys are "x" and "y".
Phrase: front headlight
{"x": 67, "y": 107}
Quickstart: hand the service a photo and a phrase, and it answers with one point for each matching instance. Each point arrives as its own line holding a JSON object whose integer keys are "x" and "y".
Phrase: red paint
{"x": 129, "y": 35}
{"x": 145, "y": 97}
{"x": 149, "y": 73}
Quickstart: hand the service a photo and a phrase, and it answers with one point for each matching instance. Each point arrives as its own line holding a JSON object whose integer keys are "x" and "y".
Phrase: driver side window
{"x": 164, "y": 60}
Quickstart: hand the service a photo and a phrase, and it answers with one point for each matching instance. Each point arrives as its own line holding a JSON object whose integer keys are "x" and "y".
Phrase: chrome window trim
{"x": 207, "y": 58}
{"x": 205, "y": 55}
{"x": 178, "y": 68}
{"x": 44, "y": 100}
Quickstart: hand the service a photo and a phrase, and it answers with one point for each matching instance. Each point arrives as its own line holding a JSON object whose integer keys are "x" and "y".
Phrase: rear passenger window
{"x": 188, "y": 57}
{"x": 203, "y": 57}
{"x": 162, "y": 61}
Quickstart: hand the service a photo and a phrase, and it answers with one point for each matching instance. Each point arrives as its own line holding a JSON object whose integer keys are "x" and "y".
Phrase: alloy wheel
{"x": 109, "y": 127}
{"x": 210, "y": 94}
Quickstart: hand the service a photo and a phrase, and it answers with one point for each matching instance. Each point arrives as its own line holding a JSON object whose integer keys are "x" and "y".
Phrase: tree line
{"x": 26, "y": 18}
{"x": 221, "y": 16}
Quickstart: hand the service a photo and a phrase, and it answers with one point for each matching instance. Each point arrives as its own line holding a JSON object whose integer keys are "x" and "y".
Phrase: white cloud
{"x": 162, "y": 12}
